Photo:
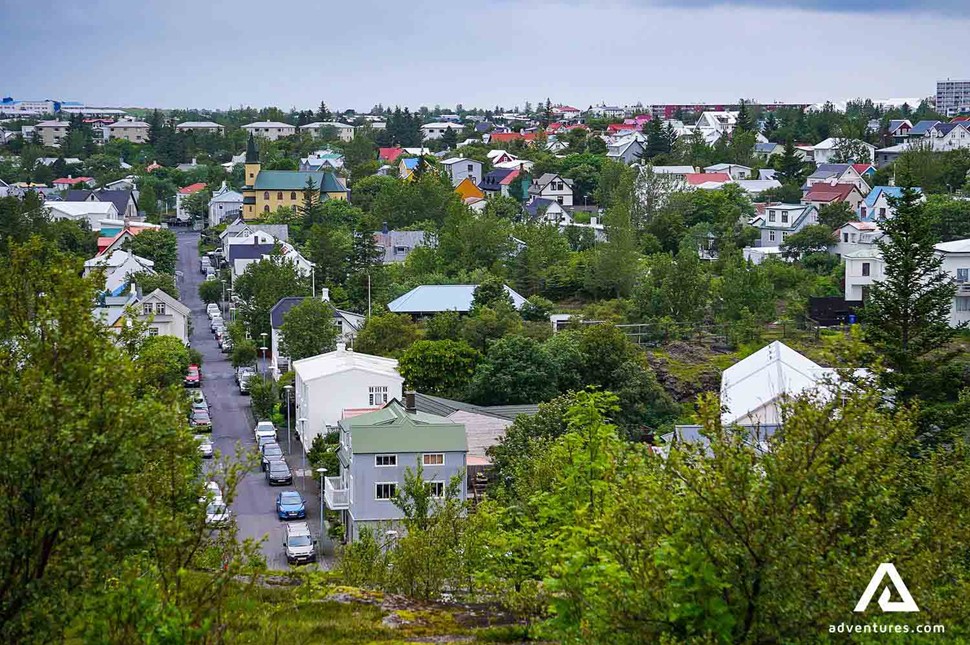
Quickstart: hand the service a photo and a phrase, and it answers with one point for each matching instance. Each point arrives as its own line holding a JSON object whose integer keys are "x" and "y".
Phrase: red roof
{"x": 389, "y": 155}
{"x": 565, "y": 108}
{"x": 105, "y": 242}
{"x": 698, "y": 178}
{"x": 863, "y": 168}
{"x": 958, "y": 119}
{"x": 68, "y": 181}
{"x": 829, "y": 192}
{"x": 621, "y": 127}
{"x": 191, "y": 188}
{"x": 509, "y": 178}
{"x": 504, "y": 137}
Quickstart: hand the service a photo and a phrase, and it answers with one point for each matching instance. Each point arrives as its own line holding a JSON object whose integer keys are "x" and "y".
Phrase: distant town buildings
{"x": 952, "y": 97}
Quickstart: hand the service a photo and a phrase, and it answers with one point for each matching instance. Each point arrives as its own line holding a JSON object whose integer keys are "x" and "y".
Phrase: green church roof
{"x": 296, "y": 180}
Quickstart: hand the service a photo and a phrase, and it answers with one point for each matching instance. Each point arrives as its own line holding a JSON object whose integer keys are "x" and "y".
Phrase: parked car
{"x": 201, "y": 420}
{"x": 204, "y": 264}
{"x": 226, "y": 344}
{"x": 290, "y": 505}
{"x": 298, "y": 544}
{"x": 262, "y": 441}
{"x": 264, "y": 429}
{"x": 244, "y": 382}
{"x": 244, "y": 370}
{"x": 212, "y": 491}
{"x": 212, "y": 309}
{"x": 278, "y": 473}
{"x": 217, "y": 513}
{"x": 200, "y": 405}
{"x": 270, "y": 452}
{"x": 216, "y": 320}
{"x": 205, "y": 446}
{"x": 193, "y": 377}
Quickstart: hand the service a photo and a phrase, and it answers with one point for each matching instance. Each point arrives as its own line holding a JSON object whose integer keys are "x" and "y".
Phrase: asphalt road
{"x": 254, "y": 506}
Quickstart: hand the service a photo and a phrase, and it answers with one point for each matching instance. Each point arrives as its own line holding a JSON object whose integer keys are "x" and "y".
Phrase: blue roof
{"x": 890, "y": 191}
{"x": 765, "y": 147}
{"x": 495, "y": 177}
{"x": 281, "y": 308}
{"x": 539, "y": 202}
{"x": 435, "y": 298}
{"x": 411, "y": 163}
{"x": 249, "y": 251}
{"x": 922, "y": 127}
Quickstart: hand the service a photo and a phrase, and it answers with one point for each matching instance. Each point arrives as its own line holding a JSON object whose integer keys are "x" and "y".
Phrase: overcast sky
{"x": 357, "y": 53}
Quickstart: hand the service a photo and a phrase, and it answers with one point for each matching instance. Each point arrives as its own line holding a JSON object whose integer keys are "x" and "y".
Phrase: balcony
{"x": 335, "y": 494}
{"x": 963, "y": 289}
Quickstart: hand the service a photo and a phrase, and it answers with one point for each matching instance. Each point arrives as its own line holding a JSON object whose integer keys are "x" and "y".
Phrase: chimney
{"x": 341, "y": 347}
{"x": 384, "y": 228}
{"x": 325, "y": 294}
{"x": 409, "y": 405}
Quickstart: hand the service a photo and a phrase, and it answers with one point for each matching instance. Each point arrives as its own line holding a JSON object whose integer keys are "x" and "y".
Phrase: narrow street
{"x": 254, "y": 506}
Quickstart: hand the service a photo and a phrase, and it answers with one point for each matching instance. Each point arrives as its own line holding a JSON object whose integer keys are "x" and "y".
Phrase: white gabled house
{"x": 778, "y": 221}
{"x": 554, "y": 187}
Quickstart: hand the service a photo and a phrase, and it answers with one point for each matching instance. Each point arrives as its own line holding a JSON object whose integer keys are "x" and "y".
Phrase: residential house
{"x": 184, "y": 193}
{"x": 764, "y": 151}
{"x": 244, "y": 250}
{"x": 823, "y": 194}
{"x": 239, "y": 231}
{"x": 899, "y": 129}
{"x": 271, "y": 130}
{"x": 432, "y": 131}
{"x": 267, "y": 190}
{"x": 347, "y": 323}
{"x": 322, "y": 160}
{"x": 547, "y": 210}
{"x": 778, "y": 221}
{"x": 430, "y": 299}
{"x": 117, "y": 268}
{"x": 52, "y": 132}
{"x": 837, "y": 173}
{"x": 163, "y": 314}
{"x": 754, "y": 187}
{"x": 116, "y": 234}
{"x": 125, "y": 201}
{"x": 628, "y": 149}
{"x": 826, "y": 151}
{"x": 328, "y": 386}
{"x": 950, "y": 136}
{"x": 389, "y": 155}
{"x": 862, "y": 268}
{"x": 460, "y": 168}
{"x": 922, "y": 128}
{"x": 88, "y": 212}
{"x": 735, "y": 171}
{"x": 856, "y": 236}
{"x": 706, "y": 180}
{"x": 206, "y": 127}
{"x": 877, "y": 206}
{"x": 376, "y": 451}
{"x": 225, "y": 205}
{"x": 343, "y": 131}
{"x": 500, "y": 156}
{"x": 468, "y": 189}
{"x": 129, "y": 130}
{"x": 719, "y": 122}
{"x": 66, "y": 183}
{"x": 497, "y": 182}
{"x": 554, "y": 187}
{"x": 397, "y": 245}
{"x": 886, "y": 156}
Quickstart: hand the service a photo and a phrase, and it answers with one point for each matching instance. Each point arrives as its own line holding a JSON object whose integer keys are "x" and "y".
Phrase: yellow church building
{"x": 267, "y": 190}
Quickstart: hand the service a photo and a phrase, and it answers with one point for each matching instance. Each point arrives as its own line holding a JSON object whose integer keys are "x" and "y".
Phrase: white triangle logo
{"x": 906, "y": 604}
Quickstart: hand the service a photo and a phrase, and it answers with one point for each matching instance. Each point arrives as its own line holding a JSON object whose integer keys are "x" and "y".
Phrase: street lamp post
{"x": 263, "y": 349}
{"x": 289, "y": 392}
{"x": 223, "y": 296}
{"x": 322, "y": 472}
{"x": 302, "y": 421}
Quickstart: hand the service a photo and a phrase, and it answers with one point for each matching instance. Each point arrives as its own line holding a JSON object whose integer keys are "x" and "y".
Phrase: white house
{"x": 117, "y": 267}
{"x": 165, "y": 315}
{"x": 825, "y": 151}
{"x": 184, "y": 193}
{"x": 437, "y": 130}
{"x": 271, "y": 130}
{"x": 208, "y": 127}
{"x": 778, "y": 221}
{"x": 877, "y": 203}
{"x": 856, "y": 236}
{"x": 336, "y": 385}
{"x": 956, "y": 263}
{"x": 457, "y": 168}
{"x": 90, "y": 212}
{"x": 344, "y": 131}
{"x": 736, "y": 171}
{"x": 225, "y": 205}
{"x": 553, "y": 186}
{"x": 628, "y": 149}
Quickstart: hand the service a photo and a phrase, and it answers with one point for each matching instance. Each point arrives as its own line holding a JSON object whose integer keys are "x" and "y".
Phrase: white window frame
{"x": 377, "y": 460}
{"x": 771, "y": 236}
{"x": 375, "y": 393}
{"x": 436, "y": 484}
{"x": 146, "y": 309}
{"x": 377, "y": 488}
{"x": 160, "y": 308}
{"x": 425, "y": 462}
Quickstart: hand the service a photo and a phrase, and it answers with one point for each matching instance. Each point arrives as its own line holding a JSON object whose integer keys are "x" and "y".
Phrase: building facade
{"x": 952, "y": 97}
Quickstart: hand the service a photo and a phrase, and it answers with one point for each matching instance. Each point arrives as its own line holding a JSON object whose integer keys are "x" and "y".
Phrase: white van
{"x": 298, "y": 545}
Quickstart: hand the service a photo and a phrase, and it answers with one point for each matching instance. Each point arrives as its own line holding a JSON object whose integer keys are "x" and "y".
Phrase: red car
{"x": 193, "y": 378}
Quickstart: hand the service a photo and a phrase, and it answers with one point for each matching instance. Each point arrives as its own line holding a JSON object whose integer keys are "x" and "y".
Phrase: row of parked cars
{"x": 298, "y": 544}
{"x": 218, "y": 327}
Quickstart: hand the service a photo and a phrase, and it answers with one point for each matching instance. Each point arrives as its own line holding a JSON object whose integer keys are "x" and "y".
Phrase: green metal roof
{"x": 391, "y": 429}
{"x": 296, "y": 180}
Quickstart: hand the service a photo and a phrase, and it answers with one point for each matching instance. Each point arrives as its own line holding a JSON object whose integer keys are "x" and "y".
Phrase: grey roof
{"x": 920, "y": 128}
{"x": 119, "y": 198}
{"x": 280, "y": 231}
{"x": 249, "y": 251}
{"x": 434, "y": 298}
{"x": 549, "y": 176}
{"x": 388, "y": 241}
{"x": 444, "y": 407}
{"x": 281, "y": 308}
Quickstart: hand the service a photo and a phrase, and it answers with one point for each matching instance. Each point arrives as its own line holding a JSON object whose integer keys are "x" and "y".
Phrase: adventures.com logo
{"x": 905, "y": 603}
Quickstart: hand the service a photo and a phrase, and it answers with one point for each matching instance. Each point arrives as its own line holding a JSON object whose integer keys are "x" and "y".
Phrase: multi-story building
{"x": 51, "y": 132}
{"x": 952, "y": 97}
{"x": 271, "y": 130}
{"x": 129, "y": 130}
{"x": 343, "y": 131}
{"x": 267, "y": 190}
{"x": 209, "y": 127}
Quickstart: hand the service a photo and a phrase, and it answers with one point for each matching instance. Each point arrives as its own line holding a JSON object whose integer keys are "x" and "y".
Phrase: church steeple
{"x": 252, "y": 156}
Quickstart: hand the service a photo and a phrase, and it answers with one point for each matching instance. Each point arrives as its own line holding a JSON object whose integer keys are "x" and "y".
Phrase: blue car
{"x": 290, "y": 505}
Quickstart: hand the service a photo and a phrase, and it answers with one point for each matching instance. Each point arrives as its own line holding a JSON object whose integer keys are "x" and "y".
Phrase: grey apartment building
{"x": 952, "y": 97}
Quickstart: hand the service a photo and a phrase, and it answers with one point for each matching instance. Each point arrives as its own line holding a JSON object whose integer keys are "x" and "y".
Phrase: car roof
{"x": 277, "y": 463}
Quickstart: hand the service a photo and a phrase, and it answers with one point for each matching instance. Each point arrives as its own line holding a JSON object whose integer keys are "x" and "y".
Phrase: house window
{"x": 146, "y": 308}
{"x": 471, "y": 168}
{"x": 153, "y": 331}
{"x": 963, "y": 304}
{"x": 279, "y": 194}
{"x": 963, "y": 275}
{"x": 266, "y": 208}
{"x": 771, "y": 216}
{"x": 865, "y": 268}
{"x": 862, "y": 212}
{"x": 266, "y": 194}
{"x": 385, "y": 460}
{"x": 771, "y": 236}
{"x": 845, "y": 237}
{"x": 292, "y": 194}
{"x": 385, "y": 491}
{"x": 160, "y": 308}
{"x": 784, "y": 218}
{"x": 377, "y": 395}
{"x": 784, "y": 234}
{"x": 437, "y": 489}
{"x": 434, "y": 459}
{"x": 882, "y": 212}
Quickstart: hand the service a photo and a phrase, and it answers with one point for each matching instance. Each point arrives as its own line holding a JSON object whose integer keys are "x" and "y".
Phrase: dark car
{"x": 201, "y": 421}
{"x": 290, "y": 505}
{"x": 193, "y": 377}
{"x": 270, "y": 452}
{"x": 278, "y": 473}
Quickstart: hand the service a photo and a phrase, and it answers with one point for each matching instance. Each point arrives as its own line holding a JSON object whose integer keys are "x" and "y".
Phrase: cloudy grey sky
{"x": 356, "y": 53}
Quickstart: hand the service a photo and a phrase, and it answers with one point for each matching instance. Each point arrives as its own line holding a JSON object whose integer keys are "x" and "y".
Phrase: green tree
{"x": 836, "y": 215}
{"x": 148, "y": 200}
{"x": 790, "y": 167}
{"x": 386, "y": 335}
{"x": 263, "y": 396}
{"x": 158, "y": 245}
{"x": 815, "y": 238}
{"x": 210, "y": 291}
{"x": 308, "y": 330}
{"x": 516, "y": 369}
{"x": 907, "y": 314}
{"x": 615, "y": 265}
{"x": 262, "y": 285}
{"x": 439, "y": 367}
{"x": 489, "y": 293}
{"x": 163, "y": 360}
{"x": 244, "y": 353}
{"x": 148, "y": 282}
{"x": 449, "y": 139}
{"x": 677, "y": 288}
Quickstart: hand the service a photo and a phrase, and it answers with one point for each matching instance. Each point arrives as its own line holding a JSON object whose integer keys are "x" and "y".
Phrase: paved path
{"x": 232, "y": 426}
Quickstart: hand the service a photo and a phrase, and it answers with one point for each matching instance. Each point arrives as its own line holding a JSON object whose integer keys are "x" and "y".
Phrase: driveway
{"x": 232, "y": 423}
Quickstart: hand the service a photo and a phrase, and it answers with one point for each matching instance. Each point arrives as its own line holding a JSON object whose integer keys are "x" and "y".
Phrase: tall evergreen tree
{"x": 745, "y": 122}
{"x": 907, "y": 314}
{"x": 790, "y": 166}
